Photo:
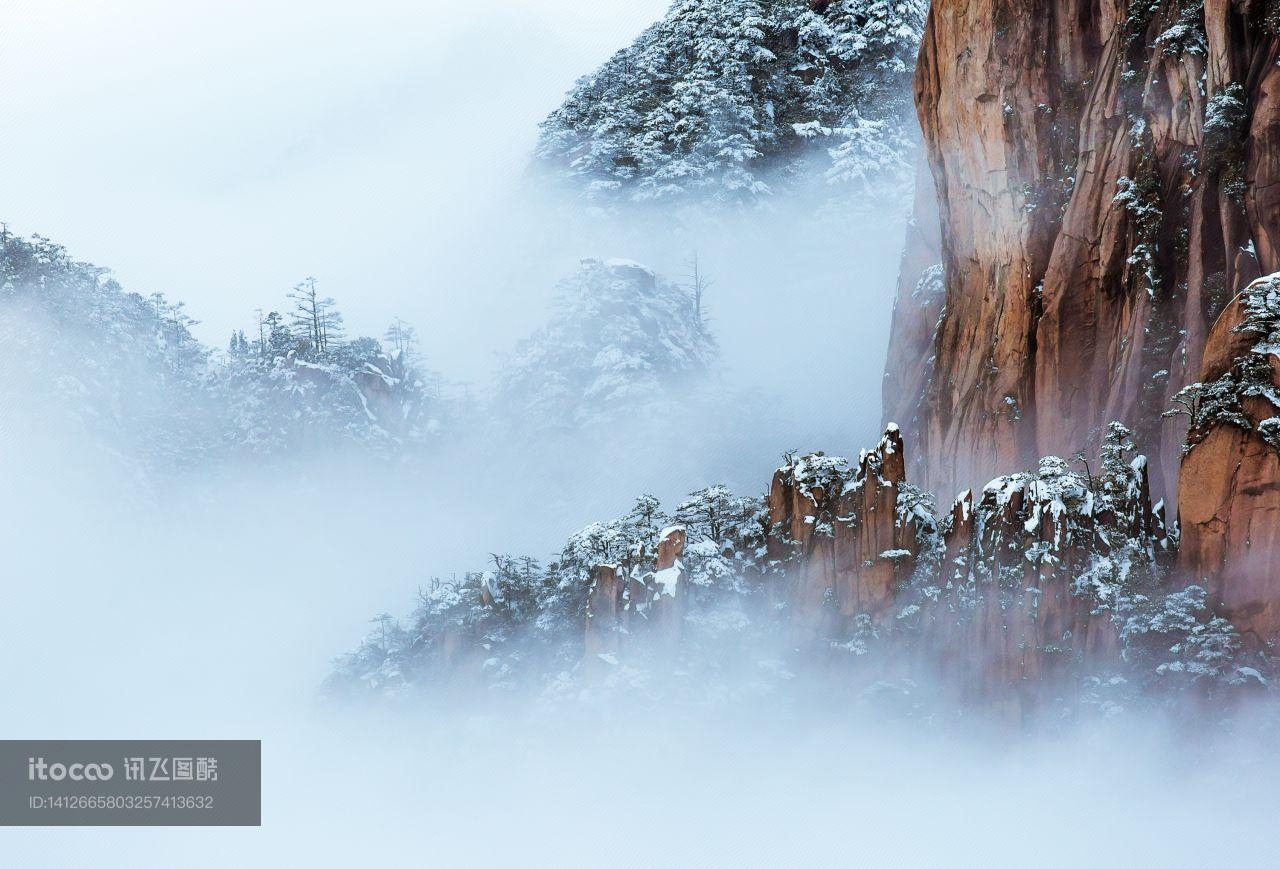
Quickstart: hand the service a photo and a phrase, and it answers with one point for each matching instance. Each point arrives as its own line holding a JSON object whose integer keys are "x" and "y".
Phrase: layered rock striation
{"x": 1229, "y": 496}
{"x": 830, "y": 522}
{"x": 1105, "y": 175}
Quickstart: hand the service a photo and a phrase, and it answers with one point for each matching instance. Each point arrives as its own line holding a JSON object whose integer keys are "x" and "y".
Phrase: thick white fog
{"x": 208, "y": 606}
{"x": 384, "y": 150}
{"x": 219, "y": 152}
{"x": 213, "y": 620}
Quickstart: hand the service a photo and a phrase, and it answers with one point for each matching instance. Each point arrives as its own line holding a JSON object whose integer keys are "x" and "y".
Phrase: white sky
{"x": 221, "y": 151}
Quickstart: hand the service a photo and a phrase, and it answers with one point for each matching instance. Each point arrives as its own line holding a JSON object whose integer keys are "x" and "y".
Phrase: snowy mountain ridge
{"x": 841, "y": 570}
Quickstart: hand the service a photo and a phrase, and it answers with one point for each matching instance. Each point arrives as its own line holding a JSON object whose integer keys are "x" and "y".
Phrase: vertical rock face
{"x": 847, "y": 538}
{"x": 800, "y": 495}
{"x": 875, "y": 543}
{"x": 638, "y": 617}
{"x": 918, "y": 307}
{"x": 1229, "y": 498}
{"x": 604, "y": 626}
{"x": 1104, "y": 171}
{"x": 668, "y": 591}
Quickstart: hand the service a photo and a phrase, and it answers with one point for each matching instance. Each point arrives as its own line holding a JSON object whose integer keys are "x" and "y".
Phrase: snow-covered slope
{"x": 733, "y": 100}
{"x": 622, "y": 344}
{"x": 78, "y": 350}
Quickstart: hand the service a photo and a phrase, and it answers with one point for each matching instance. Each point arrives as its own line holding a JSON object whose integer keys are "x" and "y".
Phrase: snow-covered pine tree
{"x": 401, "y": 338}
{"x": 316, "y": 321}
{"x": 728, "y": 99}
{"x": 725, "y": 534}
{"x": 302, "y": 384}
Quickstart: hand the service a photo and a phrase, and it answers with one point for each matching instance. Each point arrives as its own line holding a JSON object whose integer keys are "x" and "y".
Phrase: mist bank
{"x": 210, "y": 614}
{"x": 566, "y": 792}
{"x": 214, "y": 619}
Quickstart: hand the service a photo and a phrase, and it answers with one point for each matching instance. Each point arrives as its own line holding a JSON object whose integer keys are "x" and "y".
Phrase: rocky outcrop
{"x": 1025, "y": 594}
{"x": 391, "y": 395}
{"x": 846, "y": 538}
{"x": 666, "y": 594}
{"x": 604, "y": 623}
{"x": 1007, "y": 595}
{"x": 1104, "y": 172}
{"x": 641, "y": 616}
{"x": 1229, "y": 498}
{"x": 1039, "y": 595}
